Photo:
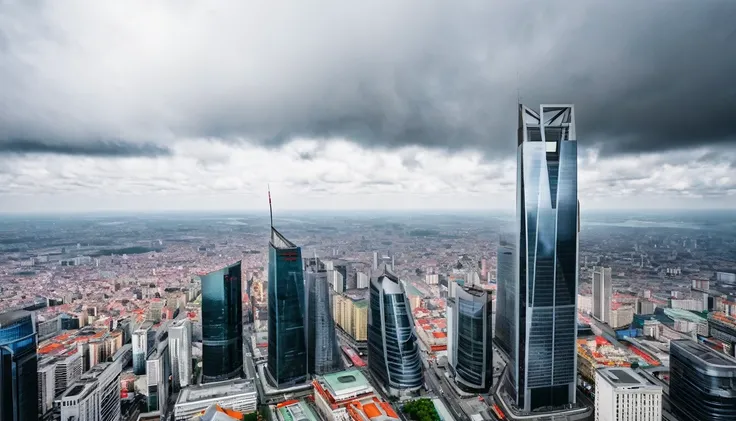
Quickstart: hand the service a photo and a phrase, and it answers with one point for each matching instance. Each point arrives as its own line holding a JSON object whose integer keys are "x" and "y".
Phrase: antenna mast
{"x": 270, "y": 208}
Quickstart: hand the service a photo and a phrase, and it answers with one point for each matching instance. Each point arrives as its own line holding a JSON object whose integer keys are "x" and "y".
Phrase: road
{"x": 440, "y": 388}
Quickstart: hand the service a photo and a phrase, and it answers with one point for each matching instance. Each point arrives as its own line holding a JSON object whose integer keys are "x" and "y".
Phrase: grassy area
{"x": 421, "y": 410}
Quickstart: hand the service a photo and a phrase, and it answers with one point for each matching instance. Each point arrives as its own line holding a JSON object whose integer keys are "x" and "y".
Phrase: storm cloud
{"x": 644, "y": 76}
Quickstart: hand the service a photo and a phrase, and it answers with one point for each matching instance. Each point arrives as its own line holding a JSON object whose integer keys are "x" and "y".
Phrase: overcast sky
{"x": 188, "y": 105}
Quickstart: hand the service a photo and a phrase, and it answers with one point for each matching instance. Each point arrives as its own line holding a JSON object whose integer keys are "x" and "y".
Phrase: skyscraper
{"x": 144, "y": 339}
{"x": 702, "y": 382}
{"x": 287, "y": 351}
{"x": 322, "y": 352}
{"x": 544, "y": 330}
{"x": 506, "y": 292}
{"x": 602, "y": 293}
{"x": 470, "y": 319}
{"x": 180, "y": 350}
{"x": 18, "y": 366}
{"x": 222, "y": 324}
{"x": 393, "y": 352}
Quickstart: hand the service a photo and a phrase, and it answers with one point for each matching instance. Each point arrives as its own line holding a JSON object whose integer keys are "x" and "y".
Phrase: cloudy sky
{"x": 194, "y": 105}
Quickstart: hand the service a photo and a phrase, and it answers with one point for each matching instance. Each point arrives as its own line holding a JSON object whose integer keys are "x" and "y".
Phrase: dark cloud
{"x": 644, "y": 76}
{"x": 89, "y": 148}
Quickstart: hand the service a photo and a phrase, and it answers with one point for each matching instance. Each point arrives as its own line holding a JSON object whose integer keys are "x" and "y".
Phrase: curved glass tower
{"x": 222, "y": 324}
{"x": 323, "y": 356}
{"x": 702, "y": 382}
{"x": 506, "y": 293}
{"x": 544, "y": 328}
{"x": 18, "y": 367}
{"x": 287, "y": 351}
{"x": 473, "y": 353}
{"x": 393, "y": 354}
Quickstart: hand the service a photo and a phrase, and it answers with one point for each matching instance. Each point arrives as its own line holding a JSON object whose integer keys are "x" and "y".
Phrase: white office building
{"x": 46, "y": 385}
{"x": 602, "y": 293}
{"x": 95, "y": 397}
{"x": 238, "y": 394}
{"x": 68, "y": 370}
{"x": 180, "y": 350}
{"x": 622, "y": 395}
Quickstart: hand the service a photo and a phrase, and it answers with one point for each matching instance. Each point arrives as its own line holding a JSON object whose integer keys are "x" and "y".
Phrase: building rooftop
{"x": 145, "y": 326}
{"x": 624, "y": 377}
{"x": 296, "y": 411}
{"x": 357, "y": 294}
{"x": 10, "y": 317}
{"x": 80, "y": 388}
{"x": 676, "y": 313}
{"x": 216, "y": 390}
{"x": 346, "y": 382}
{"x": 708, "y": 355}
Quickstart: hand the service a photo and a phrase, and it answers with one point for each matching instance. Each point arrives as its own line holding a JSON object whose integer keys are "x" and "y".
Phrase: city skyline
{"x": 413, "y": 118}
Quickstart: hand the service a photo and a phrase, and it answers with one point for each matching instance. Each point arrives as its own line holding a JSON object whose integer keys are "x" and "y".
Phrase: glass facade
{"x": 287, "y": 350}
{"x": 322, "y": 352}
{"x": 702, "y": 382}
{"x": 393, "y": 352}
{"x": 544, "y": 363}
{"x": 506, "y": 291}
{"x": 222, "y": 324}
{"x": 18, "y": 367}
{"x": 473, "y": 351}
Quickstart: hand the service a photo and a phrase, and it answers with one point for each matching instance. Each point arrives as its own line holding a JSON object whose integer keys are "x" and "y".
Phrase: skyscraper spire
{"x": 270, "y": 208}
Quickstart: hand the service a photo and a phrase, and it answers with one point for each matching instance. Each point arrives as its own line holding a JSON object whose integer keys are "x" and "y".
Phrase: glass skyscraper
{"x": 18, "y": 367}
{"x": 323, "y": 355}
{"x": 222, "y": 324}
{"x": 287, "y": 350}
{"x": 472, "y": 353}
{"x": 702, "y": 382}
{"x": 393, "y": 352}
{"x": 544, "y": 328}
{"x": 506, "y": 292}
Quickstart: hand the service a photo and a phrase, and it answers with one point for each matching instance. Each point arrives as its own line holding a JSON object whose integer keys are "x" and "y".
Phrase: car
{"x": 248, "y": 354}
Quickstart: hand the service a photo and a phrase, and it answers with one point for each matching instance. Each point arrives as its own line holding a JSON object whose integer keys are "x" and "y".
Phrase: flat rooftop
{"x": 346, "y": 381}
{"x": 298, "y": 411}
{"x": 622, "y": 376}
{"x": 704, "y": 353}
{"x": 216, "y": 390}
{"x": 10, "y": 317}
{"x": 80, "y": 388}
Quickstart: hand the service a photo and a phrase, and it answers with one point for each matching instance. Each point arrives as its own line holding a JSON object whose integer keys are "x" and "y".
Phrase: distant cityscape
{"x": 548, "y": 313}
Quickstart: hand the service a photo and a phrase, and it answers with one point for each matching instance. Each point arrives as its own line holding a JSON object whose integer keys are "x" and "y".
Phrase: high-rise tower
{"x": 470, "y": 318}
{"x": 222, "y": 324}
{"x": 506, "y": 293}
{"x": 18, "y": 367}
{"x": 322, "y": 352}
{"x": 393, "y": 353}
{"x": 180, "y": 350}
{"x": 287, "y": 350}
{"x": 544, "y": 329}
{"x": 602, "y": 293}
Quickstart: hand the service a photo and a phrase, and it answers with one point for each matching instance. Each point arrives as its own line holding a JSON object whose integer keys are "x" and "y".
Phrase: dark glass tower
{"x": 393, "y": 353}
{"x": 222, "y": 324}
{"x": 506, "y": 292}
{"x": 545, "y": 329}
{"x": 472, "y": 350}
{"x": 702, "y": 382}
{"x": 322, "y": 352}
{"x": 287, "y": 350}
{"x": 18, "y": 367}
